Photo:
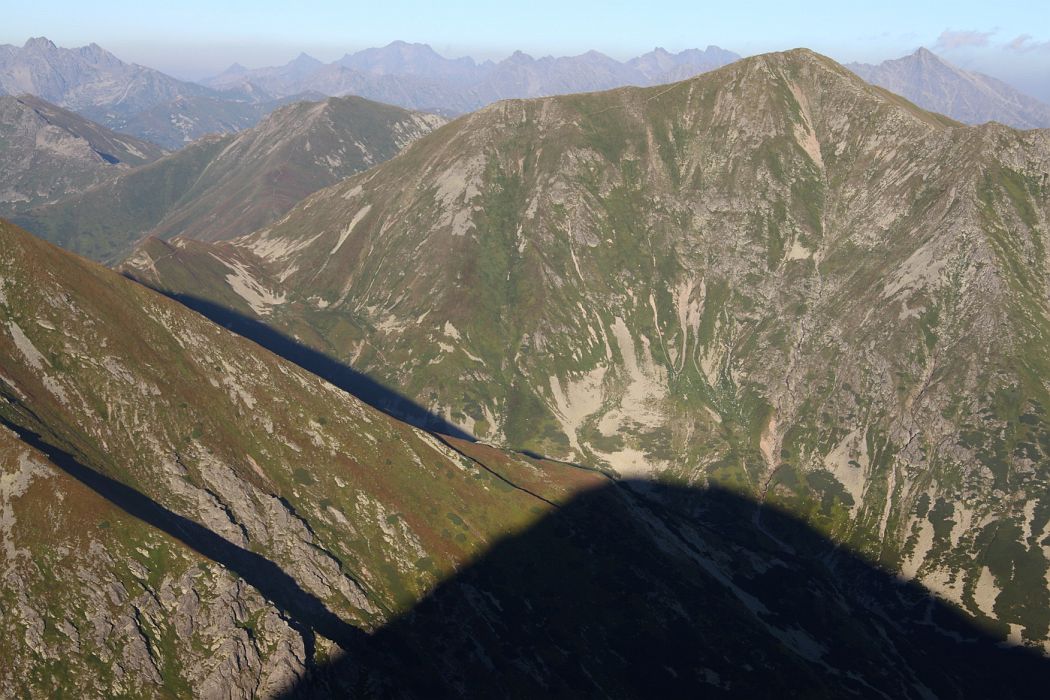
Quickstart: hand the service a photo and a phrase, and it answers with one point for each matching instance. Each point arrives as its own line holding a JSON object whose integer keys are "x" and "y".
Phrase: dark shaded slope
{"x": 643, "y": 590}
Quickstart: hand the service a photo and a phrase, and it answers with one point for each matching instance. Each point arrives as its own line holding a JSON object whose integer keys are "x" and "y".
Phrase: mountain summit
{"x": 126, "y": 97}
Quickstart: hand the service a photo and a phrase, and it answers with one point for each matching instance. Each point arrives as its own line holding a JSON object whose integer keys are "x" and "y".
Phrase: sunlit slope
{"x": 183, "y": 509}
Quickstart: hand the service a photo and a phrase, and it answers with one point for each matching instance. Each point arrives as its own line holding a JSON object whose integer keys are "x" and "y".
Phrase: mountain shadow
{"x": 644, "y": 590}
{"x": 333, "y": 371}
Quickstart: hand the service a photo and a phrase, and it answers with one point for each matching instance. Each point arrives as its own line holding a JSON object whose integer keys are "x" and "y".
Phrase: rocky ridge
{"x": 416, "y": 77}
{"x": 127, "y": 97}
{"x": 47, "y": 153}
{"x": 185, "y": 514}
{"x": 225, "y": 186}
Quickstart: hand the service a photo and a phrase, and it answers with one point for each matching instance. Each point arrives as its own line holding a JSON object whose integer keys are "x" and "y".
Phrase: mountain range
{"x": 126, "y": 97}
{"x": 974, "y": 98}
{"x": 773, "y": 277}
{"x": 151, "y": 105}
{"x": 225, "y": 186}
{"x": 727, "y": 386}
{"x": 47, "y": 153}
{"x": 417, "y": 77}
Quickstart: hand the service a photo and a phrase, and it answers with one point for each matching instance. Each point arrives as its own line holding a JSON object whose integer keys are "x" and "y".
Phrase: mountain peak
{"x": 40, "y": 43}
{"x": 304, "y": 59}
{"x": 519, "y": 56}
{"x": 412, "y": 47}
{"x": 924, "y": 54}
{"x": 973, "y": 98}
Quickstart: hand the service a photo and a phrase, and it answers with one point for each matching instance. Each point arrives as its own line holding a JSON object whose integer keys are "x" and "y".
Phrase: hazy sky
{"x": 194, "y": 38}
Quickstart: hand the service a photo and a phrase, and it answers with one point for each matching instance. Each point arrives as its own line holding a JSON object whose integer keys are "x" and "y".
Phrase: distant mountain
{"x": 224, "y": 186}
{"x": 419, "y": 60}
{"x": 126, "y": 97}
{"x": 417, "y": 77}
{"x": 973, "y": 98}
{"x": 178, "y": 122}
{"x": 661, "y": 66}
{"x": 47, "y": 153}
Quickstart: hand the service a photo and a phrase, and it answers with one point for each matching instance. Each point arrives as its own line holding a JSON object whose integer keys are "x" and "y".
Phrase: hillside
{"x": 47, "y": 152}
{"x": 185, "y": 513}
{"x": 773, "y": 277}
{"x": 221, "y": 187}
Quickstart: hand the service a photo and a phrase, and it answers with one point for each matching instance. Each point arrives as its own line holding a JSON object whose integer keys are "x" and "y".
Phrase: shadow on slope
{"x": 635, "y": 589}
{"x": 306, "y": 613}
{"x": 362, "y": 386}
{"x": 645, "y": 590}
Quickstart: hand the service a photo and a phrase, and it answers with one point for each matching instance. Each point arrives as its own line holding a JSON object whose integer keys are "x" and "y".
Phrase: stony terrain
{"x": 47, "y": 153}
{"x": 974, "y": 98}
{"x": 774, "y": 278}
{"x": 225, "y": 186}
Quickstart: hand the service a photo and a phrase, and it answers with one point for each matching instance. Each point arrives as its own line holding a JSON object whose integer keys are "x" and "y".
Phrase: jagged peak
{"x": 925, "y": 53}
{"x": 40, "y": 43}
{"x": 304, "y": 59}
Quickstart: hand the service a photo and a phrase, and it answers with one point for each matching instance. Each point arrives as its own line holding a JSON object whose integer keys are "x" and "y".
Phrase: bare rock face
{"x": 773, "y": 277}
{"x": 49, "y": 153}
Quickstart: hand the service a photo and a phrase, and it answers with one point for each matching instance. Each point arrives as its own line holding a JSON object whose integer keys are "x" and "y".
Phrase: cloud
{"x": 949, "y": 39}
{"x": 1023, "y": 43}
{"x": 1018, "y": 42}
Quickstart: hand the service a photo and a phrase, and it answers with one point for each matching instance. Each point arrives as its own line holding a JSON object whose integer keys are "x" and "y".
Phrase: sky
{"x": 191, "y": 39}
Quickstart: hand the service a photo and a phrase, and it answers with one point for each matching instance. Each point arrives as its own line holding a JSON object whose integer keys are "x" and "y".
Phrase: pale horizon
{"x": 197, "y": 40}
